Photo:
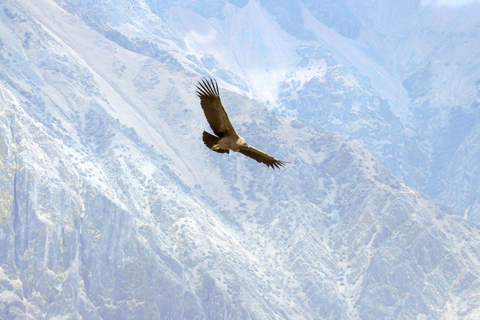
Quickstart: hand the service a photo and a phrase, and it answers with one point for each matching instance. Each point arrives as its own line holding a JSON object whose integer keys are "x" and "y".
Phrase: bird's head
{"x": 243, "y": 143}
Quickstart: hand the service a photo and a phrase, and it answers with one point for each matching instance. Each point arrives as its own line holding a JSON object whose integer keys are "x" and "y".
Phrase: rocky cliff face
{"x": 112, "y": 208}
{"x": 398, "y": 78}
{"x": 406, "y": 89}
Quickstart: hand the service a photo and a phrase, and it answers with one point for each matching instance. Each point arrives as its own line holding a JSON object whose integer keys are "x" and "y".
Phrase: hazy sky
{"x": 454, "y": 3}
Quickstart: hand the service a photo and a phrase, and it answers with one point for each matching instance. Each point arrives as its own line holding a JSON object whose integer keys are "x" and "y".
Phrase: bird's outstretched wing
{"x": 261, "y": 157}
{"x": 207, "y": 90}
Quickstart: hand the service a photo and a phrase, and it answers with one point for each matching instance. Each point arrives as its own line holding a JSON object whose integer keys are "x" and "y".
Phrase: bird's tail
{"x": 210, "y": 141}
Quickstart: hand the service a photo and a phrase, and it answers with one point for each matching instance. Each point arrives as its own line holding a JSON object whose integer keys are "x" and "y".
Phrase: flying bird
{"x": 225, "y": 138}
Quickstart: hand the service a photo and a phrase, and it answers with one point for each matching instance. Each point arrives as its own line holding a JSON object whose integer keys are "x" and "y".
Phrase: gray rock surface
{"x": 112, "y": 208}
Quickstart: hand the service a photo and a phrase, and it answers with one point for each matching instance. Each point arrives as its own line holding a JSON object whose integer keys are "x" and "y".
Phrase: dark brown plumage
{"x": 225, "y": 138}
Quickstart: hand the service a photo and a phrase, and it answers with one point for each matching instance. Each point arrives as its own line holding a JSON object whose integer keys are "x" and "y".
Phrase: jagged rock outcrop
{"x": 111, "y": 207}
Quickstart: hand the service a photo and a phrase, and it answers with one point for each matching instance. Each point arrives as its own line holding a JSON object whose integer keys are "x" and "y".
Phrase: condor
{"x": 225, "y": 138}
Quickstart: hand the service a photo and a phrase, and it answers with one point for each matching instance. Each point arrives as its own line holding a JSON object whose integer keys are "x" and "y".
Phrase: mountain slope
{"x": 397, "y": 78}
{"x": 113, "y": 208}
{"x": 330, "y": 246}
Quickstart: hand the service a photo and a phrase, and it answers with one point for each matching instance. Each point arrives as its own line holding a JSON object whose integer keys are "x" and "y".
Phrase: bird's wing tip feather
{"x": 208, "y": 87}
